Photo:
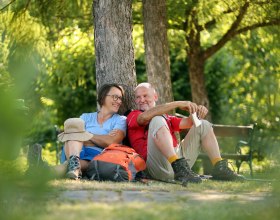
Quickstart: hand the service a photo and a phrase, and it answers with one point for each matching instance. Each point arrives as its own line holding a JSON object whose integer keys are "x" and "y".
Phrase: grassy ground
{"x": 51, "y": 207}
{"x": 34, "y": 200}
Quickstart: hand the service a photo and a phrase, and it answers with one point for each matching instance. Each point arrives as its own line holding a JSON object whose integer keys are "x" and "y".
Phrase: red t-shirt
{"x": 137, "y": 135}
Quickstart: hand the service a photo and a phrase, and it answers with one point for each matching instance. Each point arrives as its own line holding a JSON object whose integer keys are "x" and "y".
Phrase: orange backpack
{"x": 117, "y": 162}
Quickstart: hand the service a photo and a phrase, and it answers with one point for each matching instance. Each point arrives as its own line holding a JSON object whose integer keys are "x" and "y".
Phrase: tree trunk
{"x": 157, "y": 49}
{"x": 196, "y": 72}
{"x": 196, "y": 64}
{"x": 198, "y": 87}
{"x": 113, "y": 46}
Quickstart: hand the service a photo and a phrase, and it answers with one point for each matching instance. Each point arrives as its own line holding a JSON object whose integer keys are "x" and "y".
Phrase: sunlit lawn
{"x": 52, "y": 207}
{"x": 46, "y": 203}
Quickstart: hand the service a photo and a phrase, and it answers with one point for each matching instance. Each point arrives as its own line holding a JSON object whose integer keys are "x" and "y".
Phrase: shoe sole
{"x": 72, "y": 175}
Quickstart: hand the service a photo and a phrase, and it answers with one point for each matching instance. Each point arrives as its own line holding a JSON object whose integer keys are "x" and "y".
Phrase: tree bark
{"x": 113, "y": 46}
{"x": 196, "y": 64}
{"x": 157, "y": 48}
{"x": 196, "y": 73}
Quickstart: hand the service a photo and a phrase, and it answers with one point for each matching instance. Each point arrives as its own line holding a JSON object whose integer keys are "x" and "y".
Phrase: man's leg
{"x": 204, "y": 136}
{"x": 158, "y": 165}
{"x": 201, "y": 137}
{"x": 162, "y": 161}
{"x": 221, "y": 171}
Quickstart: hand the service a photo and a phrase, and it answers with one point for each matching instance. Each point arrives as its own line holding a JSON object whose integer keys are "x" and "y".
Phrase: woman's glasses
{"x": 116, "y": 97}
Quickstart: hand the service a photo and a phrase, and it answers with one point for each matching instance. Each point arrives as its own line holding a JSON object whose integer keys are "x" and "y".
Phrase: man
{"x": 151, "y": 134}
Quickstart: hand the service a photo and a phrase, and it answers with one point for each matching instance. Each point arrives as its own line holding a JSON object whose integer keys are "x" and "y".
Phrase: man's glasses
{"x": 116, "y": 97}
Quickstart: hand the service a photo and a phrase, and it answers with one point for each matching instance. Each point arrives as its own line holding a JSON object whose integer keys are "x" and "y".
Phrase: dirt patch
{"x": 155, "y": 196}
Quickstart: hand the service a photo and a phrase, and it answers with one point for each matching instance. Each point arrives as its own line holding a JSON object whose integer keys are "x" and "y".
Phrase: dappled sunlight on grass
{"x": 224, "y": 209}
{"x": 211, "y": 200}
{"x": 219, "y": 186}
{"x": 95, "y": 185}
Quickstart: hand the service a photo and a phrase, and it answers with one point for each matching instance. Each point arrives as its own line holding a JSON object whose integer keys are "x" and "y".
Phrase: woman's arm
{"x": 115, "y": 136}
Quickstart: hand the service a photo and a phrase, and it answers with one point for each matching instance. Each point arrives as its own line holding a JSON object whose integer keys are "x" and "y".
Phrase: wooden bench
{"x": 239, "y": 140}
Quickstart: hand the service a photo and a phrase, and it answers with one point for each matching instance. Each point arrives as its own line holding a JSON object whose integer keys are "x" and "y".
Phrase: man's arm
{"x": 187, "y": 122}
{"x": 145, "y": 117}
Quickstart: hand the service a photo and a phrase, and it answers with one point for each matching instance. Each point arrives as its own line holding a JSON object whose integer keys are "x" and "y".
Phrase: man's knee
{"x": 161, "y": 134}
{"x": 203, "y": 129}
{"x": 156, "y": 124}
{"x": 158, "y": 120}
{"x": 206, "y": 126}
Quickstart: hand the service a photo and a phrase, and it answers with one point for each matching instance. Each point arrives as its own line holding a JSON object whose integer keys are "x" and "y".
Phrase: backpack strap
{"x": 118, "y": 176}
{"x": 95, "y": 175}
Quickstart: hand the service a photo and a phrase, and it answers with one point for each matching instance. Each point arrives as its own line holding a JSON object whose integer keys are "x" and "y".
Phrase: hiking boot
{"x": 221, "y": 171}
{"x": 183, "y": 172}
{"x": 74, "y": 168}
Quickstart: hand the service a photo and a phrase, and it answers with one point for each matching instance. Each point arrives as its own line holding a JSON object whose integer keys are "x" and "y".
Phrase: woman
{"x": 106, "y": 126}
{"x": 101, "y": 129}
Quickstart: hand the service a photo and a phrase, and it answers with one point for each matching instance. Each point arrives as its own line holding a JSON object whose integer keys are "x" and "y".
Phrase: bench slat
{"x": 243, "y": 157}
{"x": 232, "y": 131}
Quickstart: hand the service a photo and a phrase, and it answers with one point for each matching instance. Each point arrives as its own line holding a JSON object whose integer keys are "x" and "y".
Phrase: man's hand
{"x": 191, "y": 107}
{"x": 201, "y": 111}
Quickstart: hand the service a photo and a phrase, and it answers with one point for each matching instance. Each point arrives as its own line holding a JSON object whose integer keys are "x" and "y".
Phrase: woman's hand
{"x": 114, "y": 132}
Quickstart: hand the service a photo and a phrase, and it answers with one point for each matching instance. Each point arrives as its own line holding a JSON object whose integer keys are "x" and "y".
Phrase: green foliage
{"x": 58, "y": 83}
{"x": 47, "y": 58}
{"x": 259, "y": 84}
{"x": 248, "y": 77}
{"x": 139, "y": 51}
{"x": 137, "y": 15}
{"x": 57, "y": 15}
{"x": 217, "y": 71}
{"x": 69, "y": 82}
{"x": 178, "y": 65}
{"x": 243, "y": 77}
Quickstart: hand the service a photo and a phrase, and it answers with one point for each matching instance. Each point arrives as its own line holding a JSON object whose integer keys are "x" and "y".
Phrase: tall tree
{"x": 156, "y": 48}
{"x": 113, "y": 45}
{"x": 209, "y": 25}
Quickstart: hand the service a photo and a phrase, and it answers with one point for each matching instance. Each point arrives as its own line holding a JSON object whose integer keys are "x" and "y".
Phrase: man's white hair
{"x": 145, "y": 85}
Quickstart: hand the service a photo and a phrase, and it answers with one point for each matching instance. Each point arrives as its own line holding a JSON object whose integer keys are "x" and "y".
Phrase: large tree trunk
{"x": 113, "y": 46}
{"x": 156, "y": 48}
{"x": 198, "y": 87}
{"x": 196, "y": 64}
{"x": 196, "y": 73}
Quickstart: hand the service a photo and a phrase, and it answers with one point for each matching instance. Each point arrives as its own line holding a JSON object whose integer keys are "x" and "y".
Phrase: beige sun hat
{"x": 74, "y": 130}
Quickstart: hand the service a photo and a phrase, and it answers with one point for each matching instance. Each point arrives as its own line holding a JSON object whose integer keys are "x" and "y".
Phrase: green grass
{"x": 219, "y": 186}
{"x": 33, "y": 200}
{"x": 51, "y": 207}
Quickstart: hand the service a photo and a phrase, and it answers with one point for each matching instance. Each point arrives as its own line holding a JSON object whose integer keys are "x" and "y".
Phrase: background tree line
{"x": 224, "y": 54}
